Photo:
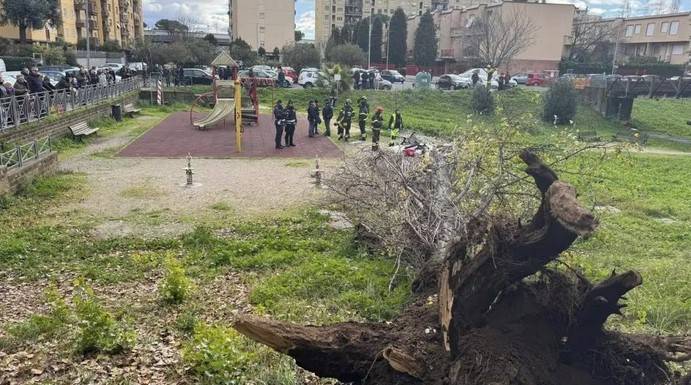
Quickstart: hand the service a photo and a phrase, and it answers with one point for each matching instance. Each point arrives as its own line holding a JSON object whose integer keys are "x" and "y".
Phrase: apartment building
{"x": 552, "y": 25}
{"x": 331, "y": 14}
{"x": 114, "y": 20}
{"x": 666, "y": 37}
{"x": 263, "y": 23}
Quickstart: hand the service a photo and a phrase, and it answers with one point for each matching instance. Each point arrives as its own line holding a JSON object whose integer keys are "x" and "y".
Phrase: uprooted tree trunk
{"x": 494, "y": 315}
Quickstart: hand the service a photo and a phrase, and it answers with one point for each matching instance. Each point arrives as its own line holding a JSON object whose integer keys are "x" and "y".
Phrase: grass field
{"x": 292, "y": 265}
{"x": 668, "y": 116}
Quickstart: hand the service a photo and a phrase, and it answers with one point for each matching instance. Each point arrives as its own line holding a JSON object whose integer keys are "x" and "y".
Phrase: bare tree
{"x": 498, "y": 36}
{"x": 588, "y": 33}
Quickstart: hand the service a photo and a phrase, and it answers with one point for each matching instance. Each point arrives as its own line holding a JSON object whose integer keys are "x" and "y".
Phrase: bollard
{"x": 189, "y": 171}
{"x": 317, "y": 174}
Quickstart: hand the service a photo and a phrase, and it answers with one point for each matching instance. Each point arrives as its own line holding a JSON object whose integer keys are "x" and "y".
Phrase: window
{"x": 629, "y": 30}
{"x": 637, "y": 29}
{"x": 664, "y": 28}
{"x": 674, "y": 28}
{"x": 650, "y": 29}
{"x": 677, "y": 49}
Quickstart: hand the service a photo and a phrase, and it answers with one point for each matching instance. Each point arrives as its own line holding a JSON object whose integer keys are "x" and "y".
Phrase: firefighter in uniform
{"x": 344, "y": 120}
{"x": 377, "y": 124}
{"x": 395, "y": 126}
{"x": 363, "y": 111}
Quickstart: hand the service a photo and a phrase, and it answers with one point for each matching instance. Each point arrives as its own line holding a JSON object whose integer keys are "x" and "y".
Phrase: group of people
{"x": 503, "y": 79}
{"x": 285, "y": 121}
{"x": 31, "y": 81}
{"x": 364, "y": 80}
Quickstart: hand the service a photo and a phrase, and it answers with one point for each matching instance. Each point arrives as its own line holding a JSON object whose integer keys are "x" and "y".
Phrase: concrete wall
{"x": 13, "y": 180}
{"x": 60, "y": 127}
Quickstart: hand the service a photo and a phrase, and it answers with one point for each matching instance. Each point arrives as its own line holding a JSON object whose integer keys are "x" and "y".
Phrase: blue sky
{"x": 212, "y": 15}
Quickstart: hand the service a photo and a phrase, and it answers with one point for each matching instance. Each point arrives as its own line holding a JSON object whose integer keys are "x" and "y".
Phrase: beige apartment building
{"x": 263, "y": 23}
{"x": 331, "y": 14}
{"x": 115, "y": 20}
{"x": 552, "y": 23}
{"x": 666, "y": 37}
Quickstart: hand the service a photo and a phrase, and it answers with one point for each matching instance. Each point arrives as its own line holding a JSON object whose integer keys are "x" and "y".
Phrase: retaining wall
{"x": 13, "y": 180}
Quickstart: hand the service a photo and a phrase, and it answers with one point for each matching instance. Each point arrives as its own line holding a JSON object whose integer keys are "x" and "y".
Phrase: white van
{"x": 2, "y": 66}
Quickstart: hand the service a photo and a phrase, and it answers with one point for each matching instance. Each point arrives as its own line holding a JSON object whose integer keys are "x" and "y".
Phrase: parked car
{"x": 453, "y": 82}
{"x": 511, "y": 83}
{"x": 535, "y": 80}
{"x": 196, "y": 76}
{"x": 54, "y": 76}
{"x": 290, "y": 73}
{"x": 520, "y": 78}
{"x": 115, "y": 66}
{"x": 308, "y": 79}
{"x": 393, "y": 76}
{"x": 383, "y": 84}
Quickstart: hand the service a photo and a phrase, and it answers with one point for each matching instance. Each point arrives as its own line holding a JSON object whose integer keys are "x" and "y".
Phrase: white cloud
{"x": 597, "y": 11}
{"x": 203, "y": 15}
{"x": 305, "y": 23}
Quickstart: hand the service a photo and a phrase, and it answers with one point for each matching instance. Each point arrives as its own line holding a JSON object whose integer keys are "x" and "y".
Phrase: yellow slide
{"x": 222, "y": 109}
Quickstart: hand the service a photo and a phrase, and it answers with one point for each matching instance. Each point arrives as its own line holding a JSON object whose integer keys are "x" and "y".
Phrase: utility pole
{"x": 369, "y": 44}
{"x": 88, "y": 36}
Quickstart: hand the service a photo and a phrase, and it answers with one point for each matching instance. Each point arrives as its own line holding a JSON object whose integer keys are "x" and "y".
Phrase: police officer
{"x": 363, "y": 111}
{"x": 395, "y": 125}
{"x": 328, "y": 114}
{"x": 344, "y": 120}
{"x": 377, "y": 124}
{"x": 279, "y": 121}
{"x": 290, "y": 121}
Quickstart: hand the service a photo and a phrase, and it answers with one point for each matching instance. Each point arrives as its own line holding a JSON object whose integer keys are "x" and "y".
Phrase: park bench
{"x": 588, "y": 136}
{"x": 81, "y": 130}
{"x": 130, "y": 110}
{"x": 632, "y": 136}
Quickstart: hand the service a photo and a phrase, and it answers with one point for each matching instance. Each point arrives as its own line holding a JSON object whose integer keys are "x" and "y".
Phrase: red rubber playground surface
{"x": 175, "y": 137}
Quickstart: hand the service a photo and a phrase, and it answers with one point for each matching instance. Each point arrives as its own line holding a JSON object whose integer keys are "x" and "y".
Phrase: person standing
{"x": 319, "y": 119}
{"x": 475, "y": 78}
{"x": 395, "y": 125}
{"x": 21, "y": 87}
{"x": 356, "y": 80}
{"x": 377, "y": 124}
{"x": 344, "y": 120}
{"x": 35, "y": 81}
{"x": 291, "y": 120}
{"x": 279, "y": 122}
{"x": 312, "y": 118}
{"x": 372, "y": 75}
{"x": 328, "y": 114}
{"x": 363, "y": 112}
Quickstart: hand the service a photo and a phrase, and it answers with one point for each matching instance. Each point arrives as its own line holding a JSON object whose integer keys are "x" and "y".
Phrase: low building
{"x": 551, "y": 23}
{"x": 160, "y": 36}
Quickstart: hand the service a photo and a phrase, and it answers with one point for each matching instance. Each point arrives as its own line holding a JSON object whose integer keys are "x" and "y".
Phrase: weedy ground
{"x": 84, "y": 306}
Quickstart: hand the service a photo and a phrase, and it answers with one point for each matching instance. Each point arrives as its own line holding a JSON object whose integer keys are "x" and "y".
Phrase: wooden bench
{"x": 632, "y": 136}
{"x": 588, "y": 136}
{"x": 81, "y": 130}
{"x": 130, "y": 110}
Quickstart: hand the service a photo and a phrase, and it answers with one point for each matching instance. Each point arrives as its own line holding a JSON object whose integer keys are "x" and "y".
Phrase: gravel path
{"x": 146, "y": 196}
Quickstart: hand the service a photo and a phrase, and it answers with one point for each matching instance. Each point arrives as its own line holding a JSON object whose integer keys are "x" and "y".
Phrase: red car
{"x": 535, "y": 80}
{"x": 289, "y": 71}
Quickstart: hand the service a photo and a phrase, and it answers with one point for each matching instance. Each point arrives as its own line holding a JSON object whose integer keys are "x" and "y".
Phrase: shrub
{"x": 560, "y": 100}
{"x": 219, "y": 355}
{"x": 200, "y": 238}
{"x": 300, "y": 56}
{"x": 98, "y": 330}
{"x": 482, "y": 100}
{"x": 349, "y": 55}
{"x": 175, "y": 286}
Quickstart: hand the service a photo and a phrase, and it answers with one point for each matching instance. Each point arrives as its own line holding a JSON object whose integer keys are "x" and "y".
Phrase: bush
{"x": 98, "y": 330}
{"x": 482, "y": 100}
{"x": 560, "y": 100}
{"x": 219, "y": 355}
{"x": 175, "y": 286}
{"x": 301, "y": 56}
{"x": 349, "y": 55}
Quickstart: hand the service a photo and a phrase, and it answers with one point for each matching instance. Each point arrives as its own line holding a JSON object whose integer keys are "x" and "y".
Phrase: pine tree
{"x": 362, "y": 34}
{"x": 347, "y": 34}
{"x": 377, "y": 37}
{"x": 398, "y": 36}
{"x": 425, "y": 49}
{"x": 26, "y": 14}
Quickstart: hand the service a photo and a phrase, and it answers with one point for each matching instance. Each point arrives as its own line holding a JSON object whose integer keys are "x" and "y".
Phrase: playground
{"x": 234, "y": 128}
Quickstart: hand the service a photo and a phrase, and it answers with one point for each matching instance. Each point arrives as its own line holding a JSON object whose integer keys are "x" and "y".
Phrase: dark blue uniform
{"x": 279, "y": 121}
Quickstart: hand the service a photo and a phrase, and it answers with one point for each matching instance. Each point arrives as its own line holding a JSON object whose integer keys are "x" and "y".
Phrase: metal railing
{"x": 22, "y": 153}
{"x": 19, "y": 110}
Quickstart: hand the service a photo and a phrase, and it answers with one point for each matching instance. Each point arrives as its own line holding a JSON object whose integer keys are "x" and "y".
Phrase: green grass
{"x": 667, "y": 116}
{"x": 651, "y": 234}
